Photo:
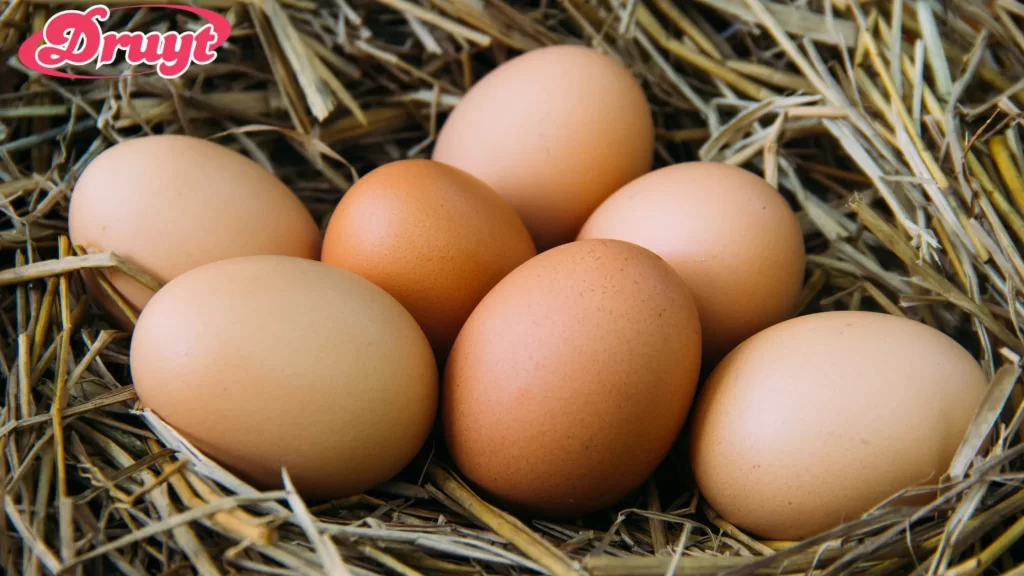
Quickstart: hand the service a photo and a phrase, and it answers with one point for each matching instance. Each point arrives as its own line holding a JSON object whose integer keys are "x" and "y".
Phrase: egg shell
{"x": 433, "y": 236}
{"x": 815, "y": 421}
{"x": 729, "y": 234}
{"x": 266, "y": 362}
{"x": 171, "y": 203}
{"x": 571, "y": 380}
{"x": 554, "y": 131}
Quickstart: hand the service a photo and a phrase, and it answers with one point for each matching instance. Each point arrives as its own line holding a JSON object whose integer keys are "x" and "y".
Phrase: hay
{"x": 891, "y": 126}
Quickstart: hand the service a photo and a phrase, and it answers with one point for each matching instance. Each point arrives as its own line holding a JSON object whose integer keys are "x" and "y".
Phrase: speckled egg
{"x": 815, "y": 421}
{"x": 572, "y": 378}
{"x": 729, "y": 234}
{"x": 271, "y": 362}
{"x": 554, "y": 131}
{"x": 433, "y": 236}
{"x": 171, "y": 203}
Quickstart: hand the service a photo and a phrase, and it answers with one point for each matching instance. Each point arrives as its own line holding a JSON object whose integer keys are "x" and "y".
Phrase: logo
{"x": 74, "y": 37}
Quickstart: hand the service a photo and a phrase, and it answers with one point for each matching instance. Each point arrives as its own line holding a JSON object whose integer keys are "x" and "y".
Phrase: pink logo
{"x": 75, "y": 37}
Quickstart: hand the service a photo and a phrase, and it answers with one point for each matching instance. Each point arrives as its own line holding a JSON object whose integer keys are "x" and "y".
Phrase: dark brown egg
{"x": 433, "y": 236}
{"x": 570, "y": 381}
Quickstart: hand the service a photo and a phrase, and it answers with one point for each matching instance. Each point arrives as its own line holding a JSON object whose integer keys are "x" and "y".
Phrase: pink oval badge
{"x": 74, "y": 37}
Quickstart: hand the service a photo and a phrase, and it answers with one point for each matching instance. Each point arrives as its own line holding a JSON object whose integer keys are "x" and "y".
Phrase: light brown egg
{"x": 267, "y": 362}
{"x": 554, "y": 131}
{"x": 572, "y": 378}
{"x": 815, "y": 421}
{"x": 170, "y": 203}
{"x": 433, "y": 236}
{"x": 729, "y": 234}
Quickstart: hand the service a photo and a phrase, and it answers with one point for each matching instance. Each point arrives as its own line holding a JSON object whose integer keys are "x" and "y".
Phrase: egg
{"x": 571, "y": 380}
{"x": 266, "y": 362}
{"x": 729, "y": 234}
{"x": 815, "y": 421}
{"x": 554, "y": 131}
{"x": 433, "y": 236}
{"x": 170, "y": 203}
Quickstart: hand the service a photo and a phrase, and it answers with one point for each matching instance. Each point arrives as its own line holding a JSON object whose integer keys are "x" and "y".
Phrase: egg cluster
{"x": 561, "y": 379}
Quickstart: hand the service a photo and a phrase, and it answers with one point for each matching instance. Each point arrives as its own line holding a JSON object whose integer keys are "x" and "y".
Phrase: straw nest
{"x": 891, "y": 125}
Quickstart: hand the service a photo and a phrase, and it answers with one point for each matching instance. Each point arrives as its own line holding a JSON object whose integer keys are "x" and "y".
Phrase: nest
{"x": 889, "y": 124}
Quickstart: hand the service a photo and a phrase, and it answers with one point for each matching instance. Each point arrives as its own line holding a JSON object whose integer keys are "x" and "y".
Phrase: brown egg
{"x": 433, "y": 236}
{"x": 727, "y": 232}
{"x": 170, "y": 203}
{"x": 266, "y": 362}
{"x": 815, "y": 421}
{"x": 572, "y": 378}
{"x": 554, "y": 131}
